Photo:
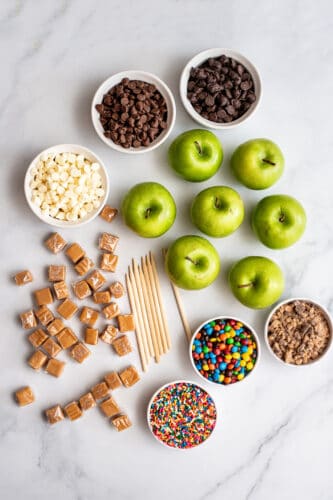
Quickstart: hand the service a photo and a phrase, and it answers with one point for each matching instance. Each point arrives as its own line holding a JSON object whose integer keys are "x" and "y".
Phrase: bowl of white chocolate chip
{"x": 66, "y": 185}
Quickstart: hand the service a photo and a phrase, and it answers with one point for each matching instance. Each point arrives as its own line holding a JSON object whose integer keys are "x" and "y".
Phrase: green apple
{"x": 258, "y": 163}
{"x": 217, "y": 211}
{"x": 279, "y": 221}
{"x": 256, "y": 282}
{"x": 149, "y": 209}
{"x": 192, "y": 262}
{"x": 196, "y": 155}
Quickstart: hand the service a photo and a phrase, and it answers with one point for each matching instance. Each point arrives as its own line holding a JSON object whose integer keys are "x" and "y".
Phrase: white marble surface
{"x": 274, "y": 438}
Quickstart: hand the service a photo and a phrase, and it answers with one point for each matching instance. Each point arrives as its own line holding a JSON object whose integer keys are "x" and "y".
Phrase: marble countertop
{"x": 274, "y": 437}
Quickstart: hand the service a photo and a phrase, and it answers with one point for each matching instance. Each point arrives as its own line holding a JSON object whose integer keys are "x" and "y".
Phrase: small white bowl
{"x": 216, "y": 384}
{"x": 154, "y": 396}
{"x": 199, "y": 59}
{"x": 134, "y": 75}
{"x": 66, "y": 148}
{"x": 329, "y": 321}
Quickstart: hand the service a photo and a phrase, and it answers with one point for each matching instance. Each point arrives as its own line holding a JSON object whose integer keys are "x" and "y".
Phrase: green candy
{"x": 230, "y": 341}
{"x": 227, "y": 328}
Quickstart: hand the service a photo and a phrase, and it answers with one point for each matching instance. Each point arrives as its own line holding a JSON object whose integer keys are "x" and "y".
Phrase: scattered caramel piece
{"x": 23, "y": 277}
{"x": 37, "y": 337}
{"x": 67, "y": 309}
{"x": 66, "y": 338}
{"x": 100, "y": 391}
{"x": 117, "y": 290}
{"x": 108, "y": 213}
{"x": 121, "y": 423}
{"x": 73, "y": 411}
{"x": 83, "y": 266}
{"x": 96, "y": 280}
{"x": 61, "y": 290}
{"x": 108, "y": 262}
{"x": 75, "y": 252}
{"x": 122, "y": 345}
{"x": 51, "y": 347}
{"x": 25, "y": 396}
{"x": 57, "y": 273}
{"x": 55, "y": 243}
{"x": 79, "y": 352}
{"x": 43, "y": 296}
{"x": 109, "y": 334}
{"x": 102, "y": 297}
{"x": 55, "y": 367}
{"x": 126, "y": 322}
{"x": 91, "y": 336}
{"x": 113, "y": 381}
{"x": 37, "y": 360}
{"x": 54, "y": 414}
{"x": 81, "y": 289}
{"x": 89, "y": 316}
{"x": 28, "y": 319}
{"x": 87, "y": 401}
{"x": 108, "y": 242}
{"x": 55, "y": 326}
{"x": 129, "y": 376}
{"x": 111, "y": 311}
{"x": 109, "y": 407}
{"x": 44, "y": 315}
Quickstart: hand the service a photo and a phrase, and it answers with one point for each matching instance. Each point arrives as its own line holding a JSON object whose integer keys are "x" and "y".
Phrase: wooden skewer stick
{"x": 159, "y": 294}
{"x": 134, "y": 273}
{"x": 138, "y": 325}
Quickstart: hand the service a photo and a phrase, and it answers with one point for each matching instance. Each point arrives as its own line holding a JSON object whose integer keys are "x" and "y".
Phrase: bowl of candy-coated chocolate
{"x": 224, "y": 350}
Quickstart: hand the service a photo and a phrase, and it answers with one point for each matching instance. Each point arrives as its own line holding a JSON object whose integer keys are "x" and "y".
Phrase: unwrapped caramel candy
{"x": 96, "y": 280}
{"x": 67, "y": 309}
{"x": 55, "y": 326}
{"x": 83, "y": 266}
{"x": 81, "y": 289}
{"x": 66, "y": 338}
{"x": 25, "y": 396}
{"x": 51, "y": 347}
{"x": 109, "y": 407}
{"x": 108, "y": 242}
{"x": 73, "y": 411}
{"x": 23, "y": 277}
{"x": 87, "y": 401}
{"x": 45, "y": 315}
{"x": 55, "y": 367}
{"x": 102, "y": 297}
{"x": 91, "y": 336}
{"x": 55, "y": 243}
{"x": 89, "y": 316}
{"x": 28, "y": 319}
{"x": 75, "y": 252}
{"x": 126, "y": 322}
{"x": 57, "y": 273}
{"x": 117, "y": 289}
{"x": 121, "y": 423}
{"x": 37, "y": 360}
{"x": 129, "y": 376}
{"x": 111, "y": 311}
{"x": 109, "y": 334}
{"x": 108, "y": 213}
{"x": 122, "y": 345}
{"x": 79, "y": 352}
{"x": 37, "y": 337}
{"x": 108, "y": 262}
{"x": 100, "y": 391}
{"x": 43, "y": 296}
{"x": 54, "y": 414}
{"x": 61, "y": 290}
{"x": 113, "y": 380}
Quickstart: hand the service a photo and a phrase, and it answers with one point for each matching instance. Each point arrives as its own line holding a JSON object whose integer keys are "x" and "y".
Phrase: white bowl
{"x": 66, "y": 148}
{"x": 216, "y": 384}
{"x": 329, "y": 321}
{"x": 199, "y": 59}
{"x": 134, "y": 75}
{"x": 154, "y": 396}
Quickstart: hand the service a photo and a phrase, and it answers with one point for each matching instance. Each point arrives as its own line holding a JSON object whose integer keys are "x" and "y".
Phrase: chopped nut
{"x": 109, "y": 407}
{"x": 79, "y": 352}
{"x": 108, "y": 242}
{"x": 37, "y": 337}
{"x": 108, "y": 262}
{"x": 37, "y": 360}
{"x": 91, "y": 336}
{"x": 61, "y": 290}
{"x": 51, "y": 347}
{"x": 44, "y": 315}
{"x": 126, "y": 322}
{"x": 54, "y": 414}
{"x": 113, "y": 380}
{"x": 108, "y": 213}
{"x": 23, "y": 277}
{"x": 117, "y": 290}
{"x": 43, "y": 296}
{"x": 67, "y": 309}
{"x": 25, "y": 396}
{"x": 122, "y": 345}
{"x": 121, "y": 423}
{"x": 83, "y": 266}
{"x": 55, "y": 327}
{"x": 111, "y": 311}
{"x": 96, "y": 280}
{"x": 109, "y": 334}
{"x": 100, "y": 390}
{"x": 102, "y": 297}
{"x": 55, "y": 243}
{"x": 55, "y": 367}
{"x": 81, "y": 289}
{"x": 73, "y": 411}
{"x": 89, "y": 316}
{"x": 87, "y": 401}
{"x": 129, "y": 376}
{"x": 28, "y": 319}
{"x": 75, "y": 252}
{"x": 66, "y": 338}
{"x": 57, "y": 273}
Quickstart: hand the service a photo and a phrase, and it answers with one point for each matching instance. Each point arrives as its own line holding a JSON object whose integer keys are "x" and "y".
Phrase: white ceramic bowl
{"x": 154, "y": 396}
{"x": 329, "y": 321}
{"x": 199, "y": 59}
{"x": 216, "y": 384}
{"x": 66, "y": 148}
{"x": 134, "y": 75}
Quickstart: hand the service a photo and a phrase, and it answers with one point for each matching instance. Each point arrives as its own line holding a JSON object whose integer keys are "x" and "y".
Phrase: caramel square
{"x": 55, "y": 367}
{"x": 37, "y": 360}
{"x": 108, "y": 242}
{"x": 55, "y": 327}
{"x": 108, "y": 262}
{"x": 37, "y": 337}
{"x": 43, "y": 296}
{"x": 25, "y": 396}
{"x": 73, "y": 411}
{"x": 100, "y": 391}
{"x": 51, "y": 347}
{"x": 113, "y": 380}
{"x": 67, "y": 309}
{"x": 23, "y": 278}
{"x": 44, "y": 315}
{"x": 89, "y": 316}
{"x": 55, "y": 243}
{"x": 83, "y": 266}
{"x": 54, "y": 414}
{"x": 111, "y": 311}
{"x": 121, "y": 423}
{"x": 108, "y": 213}
{"x": 102, "y": 297}
{"x": 96, "y": 280}
{"x": 117, "y": 290}
{"x": 122, "y": 345}
{"x": 66, "y": 338}
{"x": 87, "y": 401}
{"x": 129, "y": 376}
{"x": 126, "y": 322}
{"x": 75, "y": 252}
{"x": 57, "y": 273}
{"x": 61, "y": 290}
{"x": 109, "y": 407}
{"x": 28, "y": 319}
{"x": 79, "y": 352}
{"x": 91, "y": 336}
{"x": 81, "y": 289}
{"x": 109, "y": 334}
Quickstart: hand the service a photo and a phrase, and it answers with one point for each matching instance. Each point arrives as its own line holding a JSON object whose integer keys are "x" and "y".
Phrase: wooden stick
{"x": 134, "y": 273}
{"x": 159, "y": 294}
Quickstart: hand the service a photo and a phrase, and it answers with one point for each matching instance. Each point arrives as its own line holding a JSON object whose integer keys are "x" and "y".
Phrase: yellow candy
{"x": 240, "y": 376}
{"x": 249, "y": 366}
{"x": 246, "y": 356}
{"x": 250, "y": 350}
{"x": 213, "y": 339}
{"x": 221, "y": 378}
{"x": 228, "y": 357}
{"x": 236, "y": 355}
{"x": 232, "y": 333}
{"x": 243, "y": 363}
{"x": 205, "y": 367}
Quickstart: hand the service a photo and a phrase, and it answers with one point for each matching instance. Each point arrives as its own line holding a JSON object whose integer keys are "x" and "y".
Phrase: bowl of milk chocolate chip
{"x": 220, "y": 88}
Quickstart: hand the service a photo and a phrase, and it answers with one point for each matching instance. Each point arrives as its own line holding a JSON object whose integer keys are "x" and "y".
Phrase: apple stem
{"x": 198, "y": 147}
{"x": 282, "y": 218}
{"x": 218, "y": 203}
{"x": 189, "y": 258}
{"x": 246, "y": 285}
{"x": 148, "y": 212}
{"x": 269, "y": 162}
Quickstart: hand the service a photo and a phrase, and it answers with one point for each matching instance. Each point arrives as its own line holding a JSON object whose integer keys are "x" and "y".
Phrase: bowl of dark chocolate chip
{"x": 298, "y": 332}
{"x": 133, "y": 111}
{"x": 220, "y": 88}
